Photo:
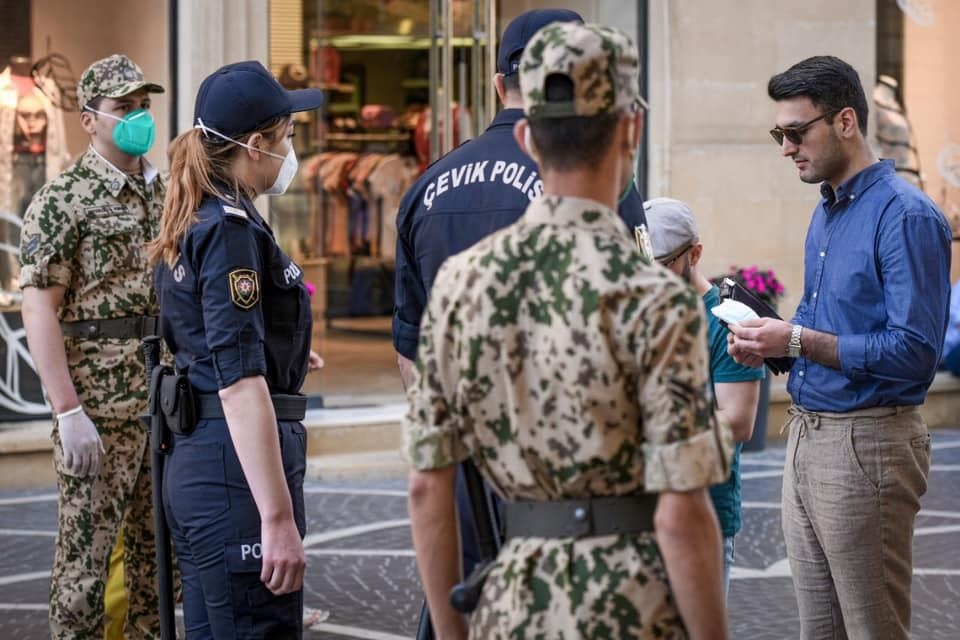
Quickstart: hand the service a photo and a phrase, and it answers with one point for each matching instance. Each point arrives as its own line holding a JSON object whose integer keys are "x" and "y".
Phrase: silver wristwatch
{"x": 793, "y": 347}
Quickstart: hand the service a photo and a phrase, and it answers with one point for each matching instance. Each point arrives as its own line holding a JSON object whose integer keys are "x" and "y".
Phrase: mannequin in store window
{"x": 32, "y": 151}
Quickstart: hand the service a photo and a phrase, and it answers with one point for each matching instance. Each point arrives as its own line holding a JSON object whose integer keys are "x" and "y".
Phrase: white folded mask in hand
{"x": 733, "y": 312}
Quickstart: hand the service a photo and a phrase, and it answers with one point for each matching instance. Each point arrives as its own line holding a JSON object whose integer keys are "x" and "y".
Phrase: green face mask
{"x": 134, "y": 132}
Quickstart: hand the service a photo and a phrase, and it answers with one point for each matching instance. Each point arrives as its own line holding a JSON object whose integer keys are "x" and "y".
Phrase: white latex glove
{"x": 81, "y": 444}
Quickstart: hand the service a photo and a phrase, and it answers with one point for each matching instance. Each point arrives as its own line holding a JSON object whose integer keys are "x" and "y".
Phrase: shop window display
{"x": 367, "y": 145}
{"x": 381, "y": 74}
{"x": 33, "y": 150}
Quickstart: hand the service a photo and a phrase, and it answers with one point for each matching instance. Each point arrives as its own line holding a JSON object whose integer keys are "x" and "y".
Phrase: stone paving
{"x": 361, "y": 568}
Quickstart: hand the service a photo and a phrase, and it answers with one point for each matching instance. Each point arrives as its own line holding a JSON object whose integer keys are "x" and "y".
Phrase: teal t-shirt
{"x": 726, "y": 496}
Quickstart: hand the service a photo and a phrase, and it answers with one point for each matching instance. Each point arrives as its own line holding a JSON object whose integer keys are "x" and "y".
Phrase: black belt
{"x": 286, "y": 406}
{"x": 580, "y": 518}
{"x": 119, "y": 328}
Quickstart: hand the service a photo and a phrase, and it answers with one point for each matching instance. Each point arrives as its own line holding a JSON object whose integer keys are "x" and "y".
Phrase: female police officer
{"x": 236, "y": 315}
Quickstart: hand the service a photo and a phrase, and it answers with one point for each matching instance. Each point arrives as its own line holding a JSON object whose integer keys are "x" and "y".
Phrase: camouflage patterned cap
{"x": 112, "y": 77}
{"x": 602, "y": 63}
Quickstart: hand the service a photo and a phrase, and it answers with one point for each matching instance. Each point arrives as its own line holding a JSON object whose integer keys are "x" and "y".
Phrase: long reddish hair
{"x": 197, "y": 162}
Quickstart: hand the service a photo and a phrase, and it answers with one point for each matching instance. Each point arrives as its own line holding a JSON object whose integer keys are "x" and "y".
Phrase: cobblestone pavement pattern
{"x": 361, "y": 568}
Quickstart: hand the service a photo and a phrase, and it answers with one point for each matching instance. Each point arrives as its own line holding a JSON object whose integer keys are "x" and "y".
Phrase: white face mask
{"x": 288, "y": 170}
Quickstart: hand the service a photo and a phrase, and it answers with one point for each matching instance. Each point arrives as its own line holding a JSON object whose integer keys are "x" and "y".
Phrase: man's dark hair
{"x": 573, "y": 142}
{"x": 830, "y": 83}
{"x": 511, "y": 83}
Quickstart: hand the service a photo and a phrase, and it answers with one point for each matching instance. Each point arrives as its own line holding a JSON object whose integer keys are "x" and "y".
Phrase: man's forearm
{"x": 821, "y": 347}
{"x": 406, "y": 367}
{"x": 252, "y": 424}
{"x": 436, "y": 540}
{"x": 690, "y": 543}
{"x": 45, "y": 341}
{"x": 737, "y": 406}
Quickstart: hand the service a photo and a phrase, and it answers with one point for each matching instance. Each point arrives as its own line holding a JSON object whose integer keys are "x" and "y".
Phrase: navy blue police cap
{"x": 518, "y": 33}
{"x": 241, "y": 97}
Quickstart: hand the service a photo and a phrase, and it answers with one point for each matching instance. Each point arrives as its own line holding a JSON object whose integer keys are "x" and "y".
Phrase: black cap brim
{"x": 305, "y": 99}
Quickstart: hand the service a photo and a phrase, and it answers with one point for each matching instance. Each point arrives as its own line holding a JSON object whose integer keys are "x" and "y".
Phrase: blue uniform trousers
{"x": 215, "y": 528}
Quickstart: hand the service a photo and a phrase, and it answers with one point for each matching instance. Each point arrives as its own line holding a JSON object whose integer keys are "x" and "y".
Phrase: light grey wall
{"x": 710, "y": 116}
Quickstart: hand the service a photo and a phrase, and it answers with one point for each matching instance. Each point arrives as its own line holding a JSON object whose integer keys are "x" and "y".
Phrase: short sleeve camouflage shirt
{"x": 87, "y": 230}
{"x": 567, "y": 366}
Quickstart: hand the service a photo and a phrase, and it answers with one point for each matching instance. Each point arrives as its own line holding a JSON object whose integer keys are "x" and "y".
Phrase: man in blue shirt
{"x": 736, "y": 387}
{"x": 867, "y": 335}
{"x": 478, "y": 188}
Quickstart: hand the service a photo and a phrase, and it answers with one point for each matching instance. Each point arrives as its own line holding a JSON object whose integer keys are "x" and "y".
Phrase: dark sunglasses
{"x": 795, "y": 134}
{"x": 668, "y": 260}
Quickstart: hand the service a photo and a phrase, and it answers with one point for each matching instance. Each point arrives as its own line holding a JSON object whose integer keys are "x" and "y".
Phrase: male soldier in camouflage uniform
{"x": 87, "y": 287}
{"x": 574, "y": 373}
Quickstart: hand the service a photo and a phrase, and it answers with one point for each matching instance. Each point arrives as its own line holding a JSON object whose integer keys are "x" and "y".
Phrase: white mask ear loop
{"x": 207, "y": 130}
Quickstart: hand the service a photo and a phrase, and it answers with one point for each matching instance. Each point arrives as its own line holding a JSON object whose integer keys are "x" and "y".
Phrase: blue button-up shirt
{"x": 476, "y": 189}
{"x": 877, "y": 275}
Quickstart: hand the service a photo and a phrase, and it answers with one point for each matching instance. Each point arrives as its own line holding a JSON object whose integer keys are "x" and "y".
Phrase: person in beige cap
{"x": 676, "y": 245}
{"x": 573, "y": 372}
{"x": 88, "y": 299}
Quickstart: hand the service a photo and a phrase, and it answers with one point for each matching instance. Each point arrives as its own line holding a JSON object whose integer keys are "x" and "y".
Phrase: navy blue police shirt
{"x": 234, "y": 305}
{"x": 478, "y": 188}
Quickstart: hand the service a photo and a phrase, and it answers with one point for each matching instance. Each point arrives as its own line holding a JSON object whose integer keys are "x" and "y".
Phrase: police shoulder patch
{"x": 244, "y": 288}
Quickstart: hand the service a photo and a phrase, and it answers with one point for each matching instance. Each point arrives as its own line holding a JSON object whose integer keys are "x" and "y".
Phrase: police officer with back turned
{"x": 573, "y": 372}
{"x": 478, "y": 188}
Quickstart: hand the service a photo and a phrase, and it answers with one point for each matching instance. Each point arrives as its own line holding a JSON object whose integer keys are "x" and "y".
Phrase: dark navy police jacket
{"x": 234, "y": 305}
{"x": 478, "y": 188}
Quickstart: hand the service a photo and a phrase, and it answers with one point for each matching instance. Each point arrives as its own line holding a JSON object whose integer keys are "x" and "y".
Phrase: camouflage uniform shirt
{"x": 567, "y": 367}
{"x": 86, "y": 230}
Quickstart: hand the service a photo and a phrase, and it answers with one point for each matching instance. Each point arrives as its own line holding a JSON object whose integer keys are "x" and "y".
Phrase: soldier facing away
{"x": 574, "y": 373}
{"x": 87, "y": 301}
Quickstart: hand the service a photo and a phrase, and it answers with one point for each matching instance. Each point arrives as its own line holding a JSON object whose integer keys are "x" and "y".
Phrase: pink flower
{"x": 311, "y": 288}
{"x": 762, "y": 283}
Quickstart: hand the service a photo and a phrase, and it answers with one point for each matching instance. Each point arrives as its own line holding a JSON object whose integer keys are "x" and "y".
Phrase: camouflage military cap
{"x": 112, "y": 77}
{"x": 602, "y": 64}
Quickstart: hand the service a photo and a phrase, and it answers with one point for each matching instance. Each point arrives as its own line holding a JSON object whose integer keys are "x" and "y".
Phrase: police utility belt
{"x": 181, "y": 408}
{"x": 116, "y": 328}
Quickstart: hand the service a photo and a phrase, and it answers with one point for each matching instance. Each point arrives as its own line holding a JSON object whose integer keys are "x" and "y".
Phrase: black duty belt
{"x": 580, "y": 518}
{"x": 286, "y": 406}
{"x": 118, "y": 328}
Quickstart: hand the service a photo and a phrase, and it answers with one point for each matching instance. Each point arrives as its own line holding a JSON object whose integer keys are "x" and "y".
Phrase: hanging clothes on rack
{"x": 354, "y": 198}
{"x": 387, "y": 183}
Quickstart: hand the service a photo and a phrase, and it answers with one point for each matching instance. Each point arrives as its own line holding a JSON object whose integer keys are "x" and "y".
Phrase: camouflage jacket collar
{"x": 565, "y": 211}
{"x": 114, "y": 180}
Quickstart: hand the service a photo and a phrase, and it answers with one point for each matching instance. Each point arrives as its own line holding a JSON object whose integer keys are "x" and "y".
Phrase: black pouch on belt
{"x": 177, "y": 404}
